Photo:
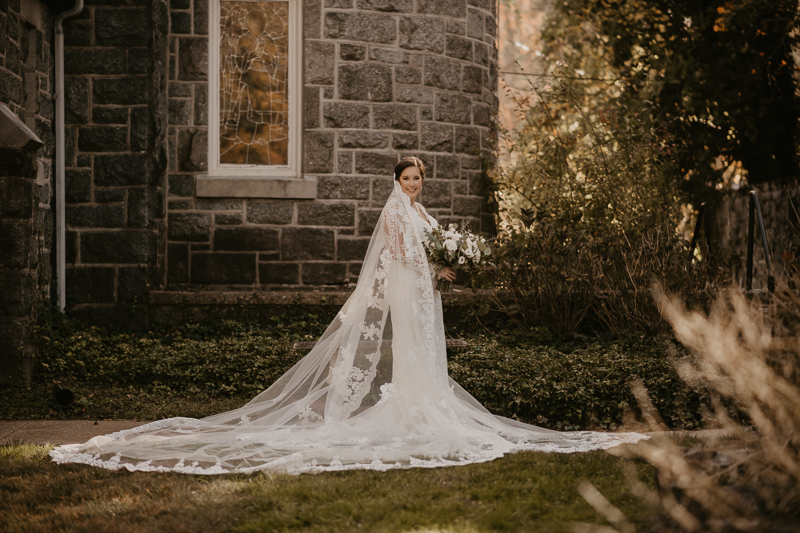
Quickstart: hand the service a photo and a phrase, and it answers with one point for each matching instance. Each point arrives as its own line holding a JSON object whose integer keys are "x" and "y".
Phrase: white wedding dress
{"x": 373, "y": 394}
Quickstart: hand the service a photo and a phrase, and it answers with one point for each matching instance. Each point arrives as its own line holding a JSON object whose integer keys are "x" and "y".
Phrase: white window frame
{"x": 242, "y": 180}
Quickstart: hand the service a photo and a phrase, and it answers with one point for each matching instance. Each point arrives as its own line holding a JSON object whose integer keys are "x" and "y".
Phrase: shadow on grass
{"x": 521, "y": 492}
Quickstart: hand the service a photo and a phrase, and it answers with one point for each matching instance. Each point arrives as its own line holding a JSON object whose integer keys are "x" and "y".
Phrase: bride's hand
{"x": 447, "y": 273}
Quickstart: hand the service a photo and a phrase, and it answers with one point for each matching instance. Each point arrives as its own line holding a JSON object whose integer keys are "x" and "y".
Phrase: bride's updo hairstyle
{"x": 409, "y": 162}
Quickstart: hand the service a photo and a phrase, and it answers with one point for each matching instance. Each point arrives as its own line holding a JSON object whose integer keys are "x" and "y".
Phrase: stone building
{"x": 236, "y": 145}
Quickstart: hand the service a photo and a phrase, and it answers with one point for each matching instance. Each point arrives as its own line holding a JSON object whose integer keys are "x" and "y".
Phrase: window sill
{"x": 253, "y": 187}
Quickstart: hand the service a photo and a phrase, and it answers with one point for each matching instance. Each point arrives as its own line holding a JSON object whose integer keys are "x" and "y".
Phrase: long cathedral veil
{"x": 373, "y": 393}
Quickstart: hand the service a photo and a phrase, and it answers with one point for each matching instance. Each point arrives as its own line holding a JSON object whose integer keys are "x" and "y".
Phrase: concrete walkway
{"x": 77, "y": 431}
{"x": 60, "y": 431}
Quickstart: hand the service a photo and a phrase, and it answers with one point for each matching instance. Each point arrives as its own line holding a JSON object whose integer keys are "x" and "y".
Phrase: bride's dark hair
{"x": 409, "y": 162}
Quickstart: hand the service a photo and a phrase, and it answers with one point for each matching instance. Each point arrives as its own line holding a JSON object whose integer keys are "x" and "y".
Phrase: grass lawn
{"x": 522, "y": 492}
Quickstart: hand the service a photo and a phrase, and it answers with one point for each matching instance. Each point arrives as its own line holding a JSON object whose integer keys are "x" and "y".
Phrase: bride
{"x": 373, "y": 393}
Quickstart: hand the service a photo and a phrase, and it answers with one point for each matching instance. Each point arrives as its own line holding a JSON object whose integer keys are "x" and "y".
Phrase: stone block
{"x": 336, "y": 115}
{"x": 193, "y": 59}
{"x": 344, "y": 163}
{"x": 109, "y": 115}
{"x": 381, "y": 189}
{"x": 416, "y": 95}
{"x": 312, "y": 18}
{"x": 351, "y": 249}
{"x": 472, "y": 79}
{"x": 442, "y": 73}
{"x": 469, "y": 162}
{"x": 436, "y": 194}
{"x": 460, "y": 188}
{"x": 201, "y": 104}
{"x": 121, "y": 170}
{"x": 365, "y": 82}
{"x": 448, "y": 8}
{"x": 316, "y": 214}
{"x": 422, "y": 33}
{"x": 95, "y": 216}
{"x": 481, "y": 115}
{"x": 193, "y": 149}
{"x": 475, "y": 24}
{"x": 447, "y": 167}
{"x": 77, "y": 186}
{"x": 408, "y": 75}
{"x": 318, "y": 152}
{"x": 194, "y": 227}
{"x": 119, "y": 91}
{"x": 246, "y": 239}
{"x": 459, "y": 48}
{"x": 368, "y": 219}
{"x": 177, "y": 263}
{"x": 137, "y": 208}
{"x": 114, "y": 247}
{"x": 324, "y": 273}
{"x": 405, "y": 141}
{"x": 181, "y": 185}
{"x": 179, "y": 112}
{"x": 201, "y": 17}
{"x": 339, "y": 4}
{"x": 389, "y": 6}
{"x": 436, "y": 137}
{"x": 108, "y": 196}
{"x": 481, "y": 4}
{"x": 121, "y": 27}
{"x": 219, "y": 204}
{"x": 353, "y": 270}
{"x": 142, "y": 129}
{"x": 303, "y": 244}
{"x": 343, "y": 188}
{"x": 138, "y": 61}
{"x": 488, "y": 143}
{"x": 223, "y": 269}
{"x": 77, "y": 33}
{"x": 311, "y": 107}
{"x": 132, "y": 285}
{"x": 228, "y": 219}
{"x": 453, "y": 108}
{"x": 180, "y": 90}
{"x": 468, "y": 140}
{"x": 90, "y": 285}
{"x": 103, "y": 138}
{"x": 394, "y": 117}
{"x": 363, "y": 139}
{"x": 388, "y": 55}
{"x": 476, "y": 183}
{"x": 17, "y": 198}
{"x": 269, "y": 212}
{"x": 352, "y": 52}
{"x": 375, "y": 163}
{"x": 15, "y": 240}
{"x": 95, "y": 61}
{"x": 490, "y": 28}
{"x": 319, "y": 62}
{"x": 482, "y": 54}
{"x": 370, "y": 27}
{"x": 469, "y": 206}
{"x": 180, "y": 23}
{"x": 76, "y": 100}
{"x": 278, "y": 273}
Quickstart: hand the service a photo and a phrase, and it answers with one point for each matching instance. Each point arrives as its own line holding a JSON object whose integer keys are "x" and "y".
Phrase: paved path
{"x": 76, "y": 431}
{"x": 60, "y": 431}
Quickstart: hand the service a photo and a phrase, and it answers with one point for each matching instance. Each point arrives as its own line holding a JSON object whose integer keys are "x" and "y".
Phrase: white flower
{"x": 462, "y": 260}
{"x": 451, "y": 245}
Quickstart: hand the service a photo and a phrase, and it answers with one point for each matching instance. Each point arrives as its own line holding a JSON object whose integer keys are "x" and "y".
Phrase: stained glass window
{"x": 253, "y": 83}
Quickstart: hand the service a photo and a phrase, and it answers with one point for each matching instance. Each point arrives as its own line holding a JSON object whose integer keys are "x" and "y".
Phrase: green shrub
{"x": 582, "y": 386}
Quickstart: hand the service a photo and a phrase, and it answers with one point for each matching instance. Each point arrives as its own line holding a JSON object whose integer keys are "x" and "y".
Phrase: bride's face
{"x": 411, "y": 182}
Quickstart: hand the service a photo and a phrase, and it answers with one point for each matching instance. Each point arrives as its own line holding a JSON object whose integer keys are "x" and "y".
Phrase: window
{"x": 254, "y": 100}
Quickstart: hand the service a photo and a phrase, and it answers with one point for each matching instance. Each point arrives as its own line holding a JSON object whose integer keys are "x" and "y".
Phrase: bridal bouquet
{"x": 456, "y": 249}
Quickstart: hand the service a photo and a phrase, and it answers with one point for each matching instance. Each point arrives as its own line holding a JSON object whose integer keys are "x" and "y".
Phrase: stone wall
{"x": 383, "y": 79}
{"x": 26, "y": 168}
{"x": 115, "y": 85}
